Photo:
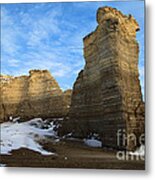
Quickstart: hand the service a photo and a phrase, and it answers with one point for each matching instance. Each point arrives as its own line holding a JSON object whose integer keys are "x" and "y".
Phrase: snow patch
{"x": 2, "y": 165}
{"x": 139, "y": 152}
{"x": 16, "y": 119}
{"x": 66, "y": 158}
{"x": 17, "y": 135}
{"x": 10, "y": 118}
{"x": 69, "y": 135}
{"x": 93, "y": 142}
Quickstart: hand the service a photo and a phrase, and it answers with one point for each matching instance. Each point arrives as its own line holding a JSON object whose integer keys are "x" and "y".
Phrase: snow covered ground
{"x": 16, "y": 135}
{"x": 28, "y": 134}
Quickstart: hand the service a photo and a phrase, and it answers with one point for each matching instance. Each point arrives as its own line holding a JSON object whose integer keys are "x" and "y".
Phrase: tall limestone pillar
{"x": 107, "y": 97}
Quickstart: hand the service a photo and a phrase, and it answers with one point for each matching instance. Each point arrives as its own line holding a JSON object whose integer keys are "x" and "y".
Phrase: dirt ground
{"x": 70, "y": 154}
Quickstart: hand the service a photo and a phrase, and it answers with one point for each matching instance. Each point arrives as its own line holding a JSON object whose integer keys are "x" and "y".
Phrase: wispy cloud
{"x": 9, "y": 34}
{"x": 49, "y": 36}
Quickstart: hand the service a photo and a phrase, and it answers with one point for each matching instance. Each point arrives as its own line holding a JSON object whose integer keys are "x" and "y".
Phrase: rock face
{"x": 36, "y": 95}
{"x": 107, "y": 95}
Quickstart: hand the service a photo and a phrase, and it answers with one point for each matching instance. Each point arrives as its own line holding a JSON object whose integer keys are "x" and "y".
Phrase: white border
{"x": 32, "y": 1}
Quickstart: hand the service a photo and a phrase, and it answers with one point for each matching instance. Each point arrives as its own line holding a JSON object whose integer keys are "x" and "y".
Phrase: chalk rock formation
{"x": 107, "y": 95}
{"x": 36, "y": 95}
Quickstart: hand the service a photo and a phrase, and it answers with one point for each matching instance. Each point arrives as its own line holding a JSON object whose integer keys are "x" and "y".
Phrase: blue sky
{"x": 49, "y": 36}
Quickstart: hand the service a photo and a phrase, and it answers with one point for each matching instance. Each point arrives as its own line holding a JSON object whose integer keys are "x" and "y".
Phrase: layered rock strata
{"x": 36, "y": 95}
{"x": 107, "y": 97}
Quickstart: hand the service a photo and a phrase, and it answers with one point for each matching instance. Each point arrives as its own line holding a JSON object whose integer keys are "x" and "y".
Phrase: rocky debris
{"x": 36, "y": 95}
{"x": 107, "y": 95}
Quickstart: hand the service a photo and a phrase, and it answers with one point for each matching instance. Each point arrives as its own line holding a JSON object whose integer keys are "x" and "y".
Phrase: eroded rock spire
{"x": 107, "y": 94}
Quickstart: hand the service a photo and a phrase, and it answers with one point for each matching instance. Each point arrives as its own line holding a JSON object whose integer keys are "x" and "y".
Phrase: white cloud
{"x": 13, "y": 62}
{"x": 9, "y": 34}
{"x": 36, "y": 38}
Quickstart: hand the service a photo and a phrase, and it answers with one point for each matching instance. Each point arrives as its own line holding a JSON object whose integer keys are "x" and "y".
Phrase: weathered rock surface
{"x": 107, "y": 94}
{"x": 36, "y": 95}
